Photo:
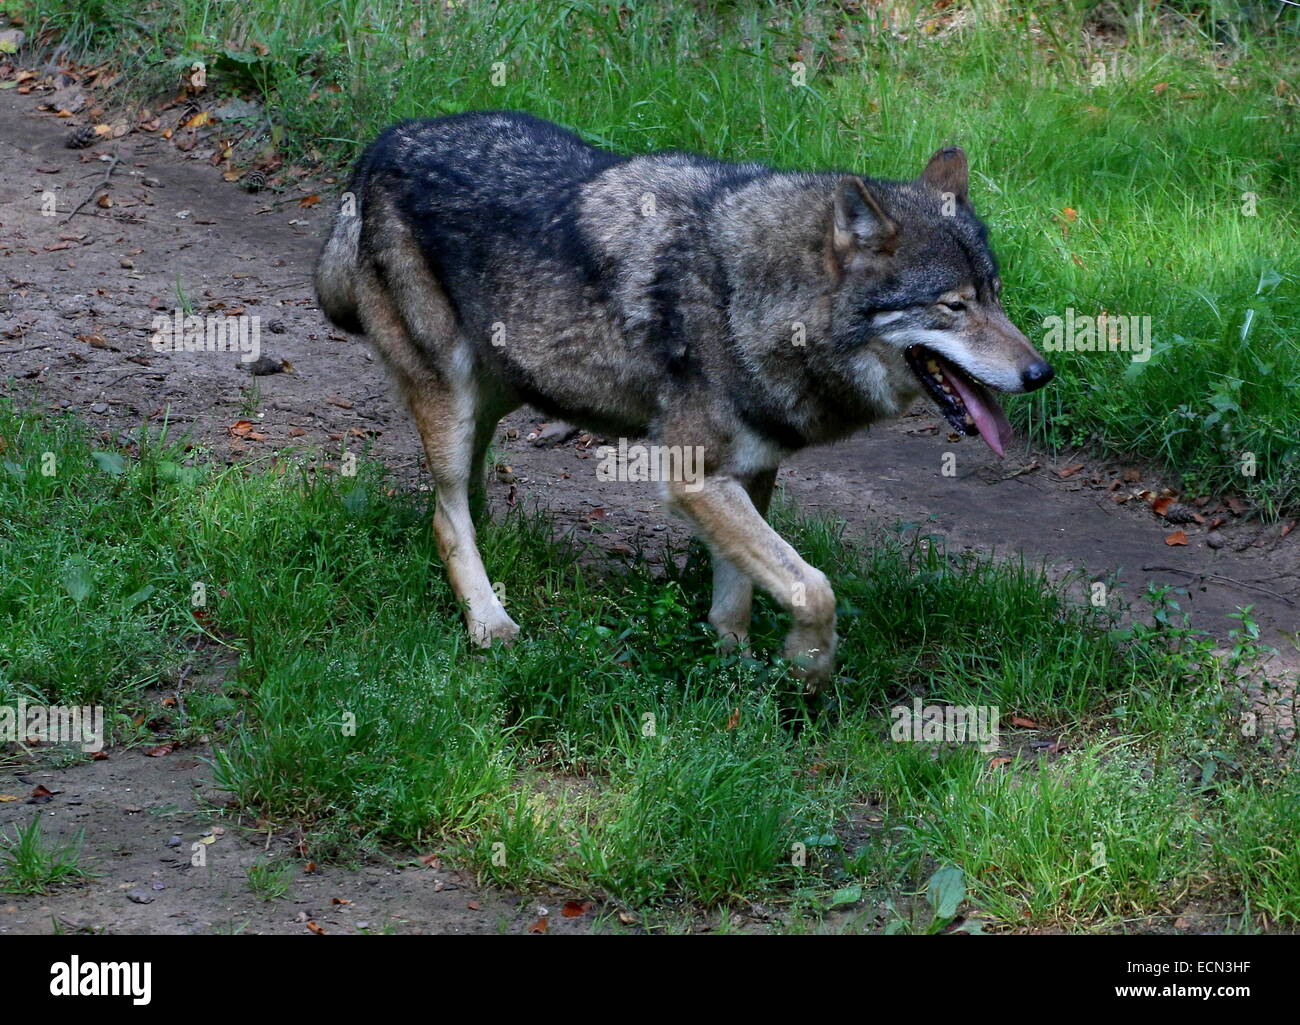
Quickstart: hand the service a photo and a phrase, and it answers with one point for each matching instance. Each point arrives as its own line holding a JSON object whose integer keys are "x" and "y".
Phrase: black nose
{"x": 1036, "y": 375}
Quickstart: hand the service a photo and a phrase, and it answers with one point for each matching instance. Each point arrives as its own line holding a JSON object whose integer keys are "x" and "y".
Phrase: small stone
{"x": 99, "y": 407}
{"x": 126, "y": 263}
{"x": 276, "y": 327}
{"x": 138, "y": 896}
{"x": 1215, "y": 540}
{"x": 266, "y": 365}
{"x": 175, "y": 841}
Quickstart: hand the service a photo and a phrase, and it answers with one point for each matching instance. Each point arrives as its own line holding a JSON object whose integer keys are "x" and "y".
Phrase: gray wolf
{"x": 495, "y": 259}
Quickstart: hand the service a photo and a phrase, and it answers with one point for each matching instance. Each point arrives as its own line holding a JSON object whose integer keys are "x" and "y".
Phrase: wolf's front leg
{"x": 733, "y": 591}
{"x": 725, "y": 517}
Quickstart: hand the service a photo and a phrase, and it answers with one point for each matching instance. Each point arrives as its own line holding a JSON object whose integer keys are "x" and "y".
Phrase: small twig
{"x": 1226, "y": 580}
{"x": 27, "y": 348}
{"x": 98, "y": 185}
{"x": 137, "y": 373}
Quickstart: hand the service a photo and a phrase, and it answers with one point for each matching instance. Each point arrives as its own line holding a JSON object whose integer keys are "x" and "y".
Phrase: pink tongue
{"x": 983, "y": 408}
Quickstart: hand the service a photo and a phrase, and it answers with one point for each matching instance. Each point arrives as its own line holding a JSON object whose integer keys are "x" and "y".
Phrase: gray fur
{"x": 496, "y": 259}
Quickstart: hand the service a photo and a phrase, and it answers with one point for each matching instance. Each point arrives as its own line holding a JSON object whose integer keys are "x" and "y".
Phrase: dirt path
{"x": 77, "y": 301}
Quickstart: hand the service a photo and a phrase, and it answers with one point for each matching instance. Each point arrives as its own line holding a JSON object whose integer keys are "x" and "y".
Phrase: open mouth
{"x": 964, "y": 402}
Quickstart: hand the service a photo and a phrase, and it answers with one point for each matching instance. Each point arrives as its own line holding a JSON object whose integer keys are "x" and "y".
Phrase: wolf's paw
{"x": 733, "y": 640}
{"x": 813, "y": 663}
{"x": 495, "y": 626}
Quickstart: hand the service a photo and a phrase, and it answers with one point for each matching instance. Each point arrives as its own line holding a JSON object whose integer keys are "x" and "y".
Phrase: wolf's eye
{"x": 956, "y": 305}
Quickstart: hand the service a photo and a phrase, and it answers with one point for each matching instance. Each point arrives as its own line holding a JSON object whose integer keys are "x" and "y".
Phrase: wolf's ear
{"x": 947, "y": 172}
{"x": 859, "y": 225}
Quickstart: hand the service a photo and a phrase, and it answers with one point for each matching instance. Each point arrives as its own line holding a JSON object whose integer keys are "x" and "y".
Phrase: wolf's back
{"x": 475, "y": 190}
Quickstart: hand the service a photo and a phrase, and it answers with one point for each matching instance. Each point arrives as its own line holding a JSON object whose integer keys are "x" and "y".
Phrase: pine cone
{"x": 82, "y": 137}
{"x": 255, "y": 181}
{"x": 1180, "y": 514}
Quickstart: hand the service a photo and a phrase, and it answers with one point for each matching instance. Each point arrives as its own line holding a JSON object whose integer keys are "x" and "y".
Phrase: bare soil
{"x": 77, "y": 300}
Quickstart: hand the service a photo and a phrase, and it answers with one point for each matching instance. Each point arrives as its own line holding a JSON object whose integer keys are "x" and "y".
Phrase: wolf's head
{"x": 915, "y": 303}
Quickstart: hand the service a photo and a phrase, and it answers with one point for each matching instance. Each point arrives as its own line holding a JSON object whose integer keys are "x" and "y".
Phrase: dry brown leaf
{"x": 539, "y": 926}
{"x": 1019, "y": 720}
{"x": 1178, "y": 537}
{"x": 1069, "y": 471}
{"x": 576, "y": 909}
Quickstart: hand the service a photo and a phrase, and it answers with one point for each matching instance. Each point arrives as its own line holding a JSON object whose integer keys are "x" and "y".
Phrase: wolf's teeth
{"x": 933, "y": 368}
{"x": 944, "y": 386}
{"x": 970, "y": 420}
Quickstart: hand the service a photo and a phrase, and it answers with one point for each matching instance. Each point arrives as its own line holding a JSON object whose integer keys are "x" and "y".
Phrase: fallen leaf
{"x": 1069, "y": 471}
{"x": 539, "y": 926}
{"x": 734, "y": 720}
{"x": 474, "y": 905}
{"x": 1161, "y": 505}
{"x": 998, "y": 762}
{"x": 161, "y": 750}
{"x": 311, "y": 200}
{"x": 576, "y": 909}
{"x": 1178, "y": 537}
{"x": 316, "y": 928}
{"x": 1018, "y": 720}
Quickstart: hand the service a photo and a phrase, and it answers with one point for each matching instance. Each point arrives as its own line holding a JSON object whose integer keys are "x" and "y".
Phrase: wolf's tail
{"x": 337, "y": 269}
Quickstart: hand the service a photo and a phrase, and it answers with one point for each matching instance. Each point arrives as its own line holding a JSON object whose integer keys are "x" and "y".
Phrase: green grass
{"x": 270, "y": 880}
{"x": 613, "y": 751}
{"x": 28, "y": 864}
{"x": 1155, "y": 154}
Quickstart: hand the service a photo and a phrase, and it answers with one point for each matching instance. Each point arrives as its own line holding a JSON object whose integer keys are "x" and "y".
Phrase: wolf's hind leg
{"x": 733, "y": 591}
{"x": 455, "y": 424}
{"x": 449, "y": 423}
